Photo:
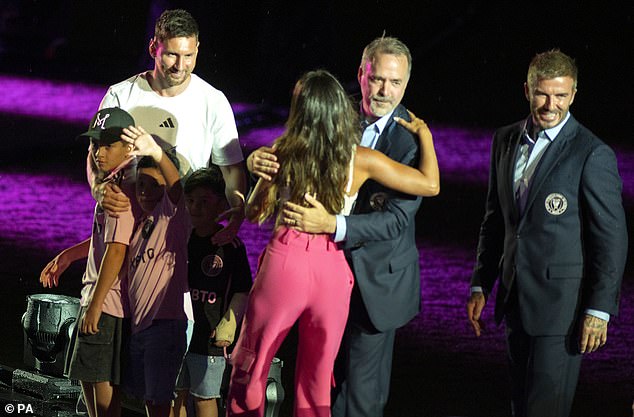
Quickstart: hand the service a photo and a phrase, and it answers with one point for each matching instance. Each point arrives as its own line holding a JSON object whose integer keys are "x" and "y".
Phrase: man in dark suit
{"x": 380, "y": 243}
{"x": 379, "y": 238}
{"x": 554, "y": 230}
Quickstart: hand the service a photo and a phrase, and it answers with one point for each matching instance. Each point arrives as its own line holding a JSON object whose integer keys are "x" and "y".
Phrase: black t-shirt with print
{"x": 215, "y": 274}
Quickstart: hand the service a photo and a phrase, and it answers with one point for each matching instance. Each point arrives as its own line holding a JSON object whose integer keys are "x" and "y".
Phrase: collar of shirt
{"x": 549, "y": 134}
{"x": 376, "y": 130}
{"x": 532, "y": 150}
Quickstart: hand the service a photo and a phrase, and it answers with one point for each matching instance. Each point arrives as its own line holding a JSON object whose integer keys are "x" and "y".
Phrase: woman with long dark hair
{"x": 304, "y": 277}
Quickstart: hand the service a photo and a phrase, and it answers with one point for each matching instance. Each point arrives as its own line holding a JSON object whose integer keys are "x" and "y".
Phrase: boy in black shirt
{"x": 219, "y": 281}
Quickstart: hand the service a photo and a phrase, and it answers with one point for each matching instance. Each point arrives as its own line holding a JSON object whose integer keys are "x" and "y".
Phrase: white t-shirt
{"x": 199, "y": 121}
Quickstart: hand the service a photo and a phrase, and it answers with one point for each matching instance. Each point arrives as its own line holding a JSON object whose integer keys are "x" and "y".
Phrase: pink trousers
{"x": 305, "y": 278}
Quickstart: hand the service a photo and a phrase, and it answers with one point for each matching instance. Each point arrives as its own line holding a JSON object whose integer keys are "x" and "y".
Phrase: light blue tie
{"x": 521, "y": 174}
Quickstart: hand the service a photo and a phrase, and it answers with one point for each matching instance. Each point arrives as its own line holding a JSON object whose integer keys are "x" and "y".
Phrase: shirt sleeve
{"x": 598, "y": 314}
{"x": 242, "y": 279}
{"x": 476, "y": 289}
{"x": 119, "y": 229}
{"x": 226, "y": 149}
{"x": 109, "y": 100}
{"x": 340, "y": 233}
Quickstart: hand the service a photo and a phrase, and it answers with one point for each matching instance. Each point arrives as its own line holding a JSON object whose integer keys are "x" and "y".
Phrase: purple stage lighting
{"x": 61, "y": 101}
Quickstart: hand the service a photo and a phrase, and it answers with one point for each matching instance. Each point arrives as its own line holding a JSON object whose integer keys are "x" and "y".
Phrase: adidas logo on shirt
{"x": 167, "y": 123}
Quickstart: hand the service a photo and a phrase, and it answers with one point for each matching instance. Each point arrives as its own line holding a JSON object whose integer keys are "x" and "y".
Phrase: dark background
{"x": 469, "y": 58}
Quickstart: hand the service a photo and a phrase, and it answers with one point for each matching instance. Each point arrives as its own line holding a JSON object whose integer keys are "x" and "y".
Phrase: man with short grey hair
{"x": 379, "y": 239}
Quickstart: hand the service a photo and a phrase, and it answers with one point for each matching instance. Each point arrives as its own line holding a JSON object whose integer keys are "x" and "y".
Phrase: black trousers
{"x": 363, "y": 368}
{"x": 544, "y": 369}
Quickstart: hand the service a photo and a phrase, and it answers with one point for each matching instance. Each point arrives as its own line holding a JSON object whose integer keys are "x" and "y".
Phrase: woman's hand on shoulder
{"x": 416, "y": 126}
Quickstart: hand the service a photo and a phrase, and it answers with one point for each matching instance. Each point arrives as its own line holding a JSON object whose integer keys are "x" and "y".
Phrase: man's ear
{"x": 572, "y": 100}
{"x": 152, "y": 47}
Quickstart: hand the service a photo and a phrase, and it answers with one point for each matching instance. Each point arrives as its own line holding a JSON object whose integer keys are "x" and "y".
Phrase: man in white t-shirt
{"x": 178, "y": 106}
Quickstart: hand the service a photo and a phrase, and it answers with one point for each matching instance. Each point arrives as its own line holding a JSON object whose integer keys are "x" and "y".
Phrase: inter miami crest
{"x": 212, "y": 264}
{"x": 556, "y": 204}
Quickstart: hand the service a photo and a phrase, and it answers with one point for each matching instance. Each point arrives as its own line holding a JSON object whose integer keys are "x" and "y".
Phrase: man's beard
{"x": 173, "y": 81}
{"x": 378, "y": 110}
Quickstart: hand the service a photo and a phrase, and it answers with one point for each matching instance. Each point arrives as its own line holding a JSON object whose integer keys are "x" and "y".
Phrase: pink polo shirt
{"x": 157, "y": 274}
{"x": 106, "y": 229}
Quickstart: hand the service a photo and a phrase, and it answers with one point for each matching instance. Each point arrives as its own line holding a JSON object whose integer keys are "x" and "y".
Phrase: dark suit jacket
{"x": 563, "y": 255}
{"x": 381, "y": 242}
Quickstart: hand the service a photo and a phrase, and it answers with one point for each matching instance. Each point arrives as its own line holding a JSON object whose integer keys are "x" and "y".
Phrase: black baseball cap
{"x": 107, "y": 125}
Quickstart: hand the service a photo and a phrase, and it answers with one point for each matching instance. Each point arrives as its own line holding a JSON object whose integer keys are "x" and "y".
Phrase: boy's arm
{"x": 172, "y": 177}
{"x": 110, "y": 266}
{"x": 144, "y": 144}
{"x": 49, "y": 277}
{"x": 241, "y": 282}
{"x": 235, "y": 190}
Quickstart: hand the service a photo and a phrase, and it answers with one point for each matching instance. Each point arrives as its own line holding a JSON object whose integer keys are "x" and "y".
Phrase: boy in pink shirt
{"x": 97, "y": 341}
{"x": 157, "y": 276}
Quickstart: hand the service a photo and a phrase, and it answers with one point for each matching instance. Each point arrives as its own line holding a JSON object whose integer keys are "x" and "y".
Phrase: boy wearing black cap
{"x": 96, "y": 357}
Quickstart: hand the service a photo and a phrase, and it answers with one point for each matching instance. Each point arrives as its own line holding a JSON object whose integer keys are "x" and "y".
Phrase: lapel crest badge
{"x": 556, "y": 204}
{"x": 378, "y": 201}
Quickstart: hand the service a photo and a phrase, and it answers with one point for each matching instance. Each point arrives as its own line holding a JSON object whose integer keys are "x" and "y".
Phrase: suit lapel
{"x": 553, "y": 154}
{"x": 384, "y": 143}
{"x": 508, "y": 167}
